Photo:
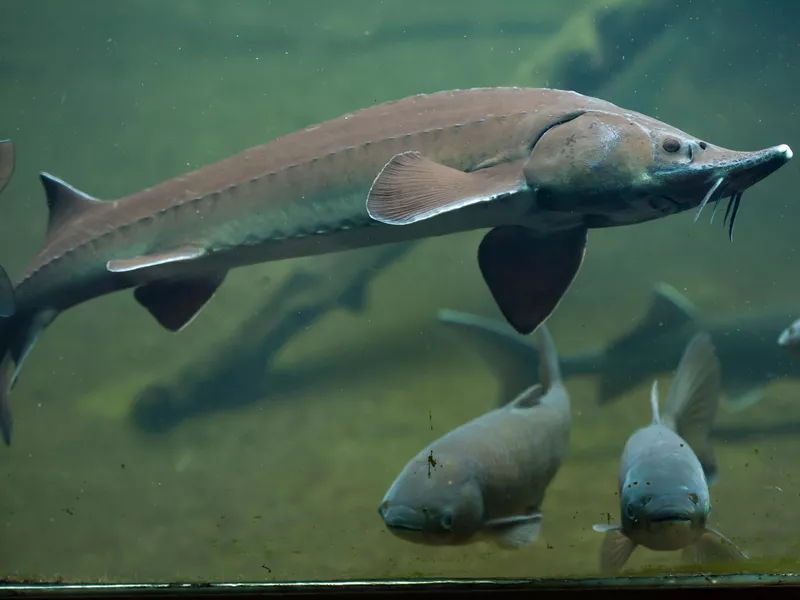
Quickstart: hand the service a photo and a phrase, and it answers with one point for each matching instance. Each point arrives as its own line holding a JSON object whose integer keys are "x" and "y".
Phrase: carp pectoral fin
{"x": 516, "y": 531}
{"x": 616, "y": 549}
{"x": 528, "y": 274}
{"x": 176, "y": 302}
{"x": 411, "y": 188}
{"x": 712, "y": 547}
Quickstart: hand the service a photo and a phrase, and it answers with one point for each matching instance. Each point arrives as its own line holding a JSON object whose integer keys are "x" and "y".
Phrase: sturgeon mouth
{"x": 738, "y": 175}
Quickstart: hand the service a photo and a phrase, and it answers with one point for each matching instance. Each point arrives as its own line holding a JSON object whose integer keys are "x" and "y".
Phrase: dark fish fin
{"x": 508, "y": 354}
{"x": 616, "y": 548}
{"x": 18, "y": 335}
{"x": 411, "y": 188}
{"x": 515, "y": 532}
{"x": 528, "y": 274}
{"x": 23, "y": 337}
{"x": 668, "y": 310}
{"x": 528, "y": 398}
{"x": 740, "y": 394}
{"x": 354, "y": 298}
{"x": 8, "y": 304}
{"x": 64, "y": 203}
{"x": 176, "y": 302}
{"x": 7, "y": 161}
{"x": 712, "y": 548}
{"x": 693, "y": 398}
{"x": 123, "y": 265}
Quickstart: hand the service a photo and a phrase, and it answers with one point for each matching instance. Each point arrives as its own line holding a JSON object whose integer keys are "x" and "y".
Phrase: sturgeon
{"x": 538, "y": 166}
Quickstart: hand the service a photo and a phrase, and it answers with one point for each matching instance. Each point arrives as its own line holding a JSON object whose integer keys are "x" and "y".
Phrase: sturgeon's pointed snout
{"x": 734, "y": 172}
{"x": 748, "y": 168}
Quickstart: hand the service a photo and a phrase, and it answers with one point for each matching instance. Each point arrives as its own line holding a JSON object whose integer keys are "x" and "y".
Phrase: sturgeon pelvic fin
{"x": 411, "y": 188}
{"x": 6, "y": 162}
{"x": 175, "y": 303}
{"x": 529, "y": 274}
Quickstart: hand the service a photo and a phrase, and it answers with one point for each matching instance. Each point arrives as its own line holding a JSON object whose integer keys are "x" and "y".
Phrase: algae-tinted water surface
{"x": 282, "y": 480}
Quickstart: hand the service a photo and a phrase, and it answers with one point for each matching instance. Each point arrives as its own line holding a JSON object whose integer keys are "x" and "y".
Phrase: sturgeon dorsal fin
{"x": 64, "y": 202}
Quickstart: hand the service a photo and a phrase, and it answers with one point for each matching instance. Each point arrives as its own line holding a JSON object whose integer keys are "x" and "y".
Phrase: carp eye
{"x": 694, "y": 498}
{"x": 447, "y": 520}
{"x": 671, "y": 144}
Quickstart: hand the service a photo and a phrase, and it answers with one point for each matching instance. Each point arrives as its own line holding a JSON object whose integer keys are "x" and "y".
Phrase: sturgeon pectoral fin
{"x": 7, "y": 302}
{"x": 616, "y": 549}
{"x": 6, "y": 162}
{"x": 175, "y": 303}
{"x": 123, "y": 265}
{"x": 528, "y": 274}
{"x": 515, "y": 532}
{"x": 712, "y": 547}
{"x": 411, "y": 188}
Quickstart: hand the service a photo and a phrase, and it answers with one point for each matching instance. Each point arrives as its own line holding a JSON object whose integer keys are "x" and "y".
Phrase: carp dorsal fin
{"x": 64, "y": 202}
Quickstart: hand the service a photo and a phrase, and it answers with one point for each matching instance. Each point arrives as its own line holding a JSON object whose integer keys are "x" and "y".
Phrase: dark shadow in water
{"x": 239, "y": 371}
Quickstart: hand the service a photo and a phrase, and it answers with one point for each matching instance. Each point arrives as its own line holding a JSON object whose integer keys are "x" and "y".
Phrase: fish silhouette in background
{"x": 745, "y": 345}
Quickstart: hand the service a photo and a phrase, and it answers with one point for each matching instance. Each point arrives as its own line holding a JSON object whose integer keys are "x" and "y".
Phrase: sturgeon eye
{"x": 694, "y": 498}
{"x": 646, "y": 500}
{"x": 671, "y": 145}
{"x": 630, "y": 511}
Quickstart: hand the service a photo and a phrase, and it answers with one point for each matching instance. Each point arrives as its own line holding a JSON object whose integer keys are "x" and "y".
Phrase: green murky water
{"x": 114, "y": 97}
